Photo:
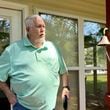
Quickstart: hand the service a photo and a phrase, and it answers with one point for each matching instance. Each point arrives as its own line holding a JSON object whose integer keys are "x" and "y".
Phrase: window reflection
{"x": 4, "y": 33}
{"x": 4, "y": 42}
{"x": 95, "y": 66}
{"x": 94, "y": 55}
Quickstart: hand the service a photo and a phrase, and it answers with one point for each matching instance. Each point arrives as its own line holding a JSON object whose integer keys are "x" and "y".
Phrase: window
{"x": 95, "y": 63}
{"x": 94, "y": 55}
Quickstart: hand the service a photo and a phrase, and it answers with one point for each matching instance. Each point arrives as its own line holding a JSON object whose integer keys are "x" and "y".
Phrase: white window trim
{"x": 16, "y": 6}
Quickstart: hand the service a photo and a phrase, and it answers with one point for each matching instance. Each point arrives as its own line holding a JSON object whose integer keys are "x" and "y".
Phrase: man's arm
{"x": 9, "y": 94}
{"x": 65, "y": 89}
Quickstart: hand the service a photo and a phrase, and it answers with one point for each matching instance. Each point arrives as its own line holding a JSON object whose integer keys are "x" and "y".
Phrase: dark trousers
{"x": 18, "y": 106}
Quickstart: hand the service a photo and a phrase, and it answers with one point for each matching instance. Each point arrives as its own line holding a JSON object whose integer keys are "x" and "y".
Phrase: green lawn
{"x": 101, "y": 90}
{"x": 101, "y": 77}
{"x": 101, "y": 82}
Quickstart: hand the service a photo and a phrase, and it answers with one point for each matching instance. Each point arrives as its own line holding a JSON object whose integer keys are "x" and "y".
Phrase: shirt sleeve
{"x": 4, "y": 65}
{"x": 62, "y": 65}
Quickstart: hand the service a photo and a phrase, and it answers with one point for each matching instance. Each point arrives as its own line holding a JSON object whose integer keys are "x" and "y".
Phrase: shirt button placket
{"x": 36, "y": 55}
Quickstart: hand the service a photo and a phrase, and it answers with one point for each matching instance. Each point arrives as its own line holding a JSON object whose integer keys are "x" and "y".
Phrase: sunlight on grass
{"x": 101, "y": 77}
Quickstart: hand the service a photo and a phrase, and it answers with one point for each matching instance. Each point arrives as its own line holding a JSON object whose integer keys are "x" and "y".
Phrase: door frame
{"x": 17, "y": 7}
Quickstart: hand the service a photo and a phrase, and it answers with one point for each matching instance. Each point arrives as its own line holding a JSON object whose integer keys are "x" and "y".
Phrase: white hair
{"x": 29, "y": 21}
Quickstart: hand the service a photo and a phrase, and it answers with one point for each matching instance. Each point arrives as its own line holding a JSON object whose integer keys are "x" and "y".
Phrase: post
{"x": 107, "y": 96}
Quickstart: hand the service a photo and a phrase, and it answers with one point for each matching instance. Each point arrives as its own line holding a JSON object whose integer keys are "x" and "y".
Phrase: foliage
{"x": 91, "y": 39}
{"x": 4, "y": 34}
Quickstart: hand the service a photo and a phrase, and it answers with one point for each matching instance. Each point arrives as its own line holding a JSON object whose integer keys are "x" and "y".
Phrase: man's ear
{"x": 27, "y": 29}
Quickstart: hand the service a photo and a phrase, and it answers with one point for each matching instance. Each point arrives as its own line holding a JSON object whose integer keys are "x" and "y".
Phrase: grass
{"x": 95, "y": 101}
{"x": 101, "y": 77}
{"x": 101, "y": 82}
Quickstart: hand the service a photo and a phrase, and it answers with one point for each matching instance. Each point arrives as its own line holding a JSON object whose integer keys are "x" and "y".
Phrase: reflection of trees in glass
{"x": 92, "y": 35}
{"x": 4, "y": 25}
{"x": 4, "y": 39}
{"x": 63, "y": 32}
{"x": 4, "y": 33}
{"x": 93, "y": 32}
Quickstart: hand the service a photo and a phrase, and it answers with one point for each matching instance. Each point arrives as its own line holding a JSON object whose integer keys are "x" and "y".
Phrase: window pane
{"x": 4, "y": 33}
{"x": 96, "y": 86}
{"x": 94, "y": 55}
{"x": 63, "y": 32}
{"x": 73, "y": 101}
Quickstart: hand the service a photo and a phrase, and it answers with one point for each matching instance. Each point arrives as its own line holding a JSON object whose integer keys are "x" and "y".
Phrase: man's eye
{"x": 40, "y": 26}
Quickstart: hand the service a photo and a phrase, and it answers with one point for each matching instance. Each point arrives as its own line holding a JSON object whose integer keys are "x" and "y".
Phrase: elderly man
{"x": 34, "y": 66}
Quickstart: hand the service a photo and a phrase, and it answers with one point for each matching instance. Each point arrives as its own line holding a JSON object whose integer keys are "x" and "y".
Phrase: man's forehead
{"x": 39, "y": 19}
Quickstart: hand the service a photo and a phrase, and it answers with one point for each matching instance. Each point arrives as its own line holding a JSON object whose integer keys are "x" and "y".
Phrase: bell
{"x": 104, "y": 41}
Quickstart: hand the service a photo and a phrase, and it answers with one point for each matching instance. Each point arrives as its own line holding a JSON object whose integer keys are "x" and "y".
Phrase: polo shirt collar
{"x": 28, "y": 43}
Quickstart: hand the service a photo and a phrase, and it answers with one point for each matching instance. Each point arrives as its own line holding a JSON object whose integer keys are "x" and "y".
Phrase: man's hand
{"x": 11, "y": 98}
{"x": 66, "y": 92}
{"x": 9, "y": 94}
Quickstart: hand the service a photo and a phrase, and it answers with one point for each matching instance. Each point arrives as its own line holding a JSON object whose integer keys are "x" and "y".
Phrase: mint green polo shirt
{"x": 34, "y": 73}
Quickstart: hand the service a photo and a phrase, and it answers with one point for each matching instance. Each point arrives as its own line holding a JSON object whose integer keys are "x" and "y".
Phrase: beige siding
{"x": 86, "y": 8}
